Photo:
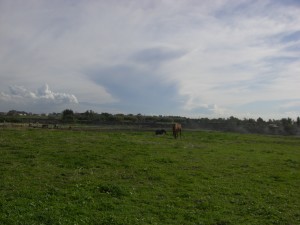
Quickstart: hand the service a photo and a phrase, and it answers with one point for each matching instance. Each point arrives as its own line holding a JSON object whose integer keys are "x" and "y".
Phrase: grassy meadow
{"x": 52, "y": 176}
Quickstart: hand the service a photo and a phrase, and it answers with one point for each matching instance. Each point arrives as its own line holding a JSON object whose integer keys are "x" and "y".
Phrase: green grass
{"x": 85, "y": 177}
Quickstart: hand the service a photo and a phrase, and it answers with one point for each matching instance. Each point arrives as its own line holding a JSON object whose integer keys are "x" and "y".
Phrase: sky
{"x": 209, "y": 58}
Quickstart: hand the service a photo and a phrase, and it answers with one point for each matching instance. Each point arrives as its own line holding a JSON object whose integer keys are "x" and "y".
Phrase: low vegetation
{"x": 52, "y": 176}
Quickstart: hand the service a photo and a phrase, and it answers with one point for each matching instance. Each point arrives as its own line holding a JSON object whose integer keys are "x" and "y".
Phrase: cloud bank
{"x": 19, "y": 97}
{"x": 190, "y": 58}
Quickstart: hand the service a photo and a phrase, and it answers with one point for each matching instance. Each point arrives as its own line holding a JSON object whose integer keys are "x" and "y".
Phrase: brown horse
{"x": 177, "y": 130}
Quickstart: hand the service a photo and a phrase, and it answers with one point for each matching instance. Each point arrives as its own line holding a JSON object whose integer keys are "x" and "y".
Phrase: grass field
{"x": 88, "y": 177}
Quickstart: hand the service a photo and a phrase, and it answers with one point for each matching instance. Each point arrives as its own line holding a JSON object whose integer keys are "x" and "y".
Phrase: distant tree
{"x": 130, "y": 118}
{"x": 89, "y": 115}
{"x": 288, "y": 126}
{"x": 139, "y": 117}
{"x": 107, "y": 117}
{"x": 298, "y": 121}
{"x": 68, "y": 116}
{"x": 233, "y": 122}
{"x": 260, "y": 120}
{"x": 287, "y": 121}
{"x": 12, "y": 113}
{"x": 119, "y": 117}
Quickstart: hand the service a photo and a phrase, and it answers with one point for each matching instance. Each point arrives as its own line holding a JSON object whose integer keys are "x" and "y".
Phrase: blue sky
{"x": 190, "y": 58}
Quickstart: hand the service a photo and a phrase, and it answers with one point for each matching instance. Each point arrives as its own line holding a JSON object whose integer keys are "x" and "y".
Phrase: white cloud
{"x": 228, "y": 63}
{"x": 43, "y": 98}
{"x": 291, "y": 105}
{"x": 44, "y": 94}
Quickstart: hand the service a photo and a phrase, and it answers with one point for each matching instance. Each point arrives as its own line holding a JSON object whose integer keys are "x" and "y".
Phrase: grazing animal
{"x": 177, "y": 130}
{"x": 160, "y": 132}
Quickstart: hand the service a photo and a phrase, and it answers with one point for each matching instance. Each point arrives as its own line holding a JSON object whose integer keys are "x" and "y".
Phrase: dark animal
{"x": 177, "y": 130}
{"x": 160, "y": 132}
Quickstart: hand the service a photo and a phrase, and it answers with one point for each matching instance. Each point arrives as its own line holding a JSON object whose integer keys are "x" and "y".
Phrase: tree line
{"x": 284, "y": 126}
